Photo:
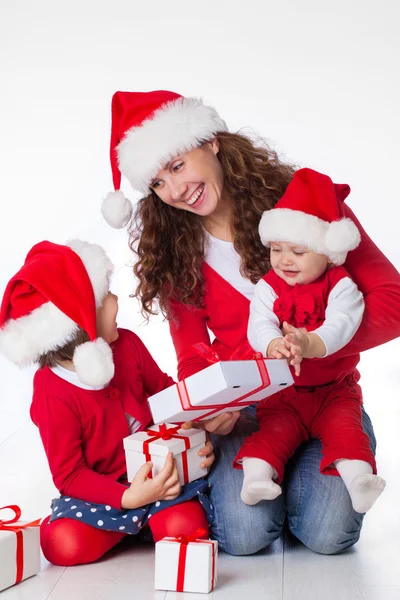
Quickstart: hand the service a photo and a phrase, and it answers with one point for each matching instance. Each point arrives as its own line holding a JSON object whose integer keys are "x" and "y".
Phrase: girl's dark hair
{"x": 66, "y": 352}
{"x": 169, "y": 243}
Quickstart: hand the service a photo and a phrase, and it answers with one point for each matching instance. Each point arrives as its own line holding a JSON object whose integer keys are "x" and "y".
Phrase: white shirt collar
{"x": 73, "y": 378}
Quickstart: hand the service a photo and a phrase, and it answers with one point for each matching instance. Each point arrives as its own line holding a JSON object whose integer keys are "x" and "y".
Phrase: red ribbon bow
{"x": 184, "y": 541}
{"x": 165, "y": 433}
{"x": 298, "y": 309}
{"x": 7, "y": 525}
{"x": 242, "y": 352}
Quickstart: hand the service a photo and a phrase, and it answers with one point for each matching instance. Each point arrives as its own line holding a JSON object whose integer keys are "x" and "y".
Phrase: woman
{"x": 195, "y": 233}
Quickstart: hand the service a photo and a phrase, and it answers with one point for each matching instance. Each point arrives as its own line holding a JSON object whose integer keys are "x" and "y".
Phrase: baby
{"x": 307, "y": 307}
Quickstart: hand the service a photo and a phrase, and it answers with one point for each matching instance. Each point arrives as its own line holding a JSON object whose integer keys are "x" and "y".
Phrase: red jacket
{"x": 226, "y": 310}
{"x": 82, "y": 430}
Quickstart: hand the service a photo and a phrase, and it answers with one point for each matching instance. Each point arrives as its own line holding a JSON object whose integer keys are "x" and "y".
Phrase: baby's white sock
{"x": 364, "y": 487}
{"x": 258, "y": 481}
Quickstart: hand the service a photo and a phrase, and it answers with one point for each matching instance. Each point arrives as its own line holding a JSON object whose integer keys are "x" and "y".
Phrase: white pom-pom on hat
{"x": 93, "y": 362}
{"x": 116, "y": 209}
{"x": 342, "y": 236}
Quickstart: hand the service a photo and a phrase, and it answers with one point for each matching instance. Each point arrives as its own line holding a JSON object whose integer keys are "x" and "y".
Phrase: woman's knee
{"x": 330, "y": 531}
{"x": 331, "y": 542}
{"x": 241, "y": 529}
{"x": 319, "y": 508}
{"x": 240, "y": 542}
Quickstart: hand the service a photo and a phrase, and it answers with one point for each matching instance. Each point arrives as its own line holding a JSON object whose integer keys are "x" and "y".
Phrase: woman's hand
{"x": 208, "y": 452}
{"x": 221, "y": 424}
{"x": 164, "y": 486}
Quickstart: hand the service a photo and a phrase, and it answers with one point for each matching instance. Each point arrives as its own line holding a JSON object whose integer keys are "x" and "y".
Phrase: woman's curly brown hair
{"x": 169, "y": 243}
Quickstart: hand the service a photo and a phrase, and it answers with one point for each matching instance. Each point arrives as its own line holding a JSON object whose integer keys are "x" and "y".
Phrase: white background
{"x": 319, "y": 80}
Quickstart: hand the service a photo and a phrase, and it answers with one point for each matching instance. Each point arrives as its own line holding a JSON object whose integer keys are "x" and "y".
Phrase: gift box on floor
{"x": 19, "y": 549}
{"x": 154, "y": 443}
{"x": 223, "y": 386}
{"x": 186, "y": 564}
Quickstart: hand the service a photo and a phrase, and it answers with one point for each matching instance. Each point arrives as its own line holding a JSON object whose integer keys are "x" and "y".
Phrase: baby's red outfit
{"x": 329, "y": 411}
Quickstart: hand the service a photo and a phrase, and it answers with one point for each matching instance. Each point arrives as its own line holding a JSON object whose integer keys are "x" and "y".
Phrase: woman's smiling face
{"x": 192, "y": 181}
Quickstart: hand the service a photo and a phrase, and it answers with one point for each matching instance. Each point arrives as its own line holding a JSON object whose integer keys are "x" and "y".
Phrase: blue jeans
{"x": 318, "y": 507}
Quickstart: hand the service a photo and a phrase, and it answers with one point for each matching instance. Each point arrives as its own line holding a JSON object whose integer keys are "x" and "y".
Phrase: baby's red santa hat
{"x": 310, "y": 213}
{"x": 58, "y": 290}
{"x": 148, "y": 129}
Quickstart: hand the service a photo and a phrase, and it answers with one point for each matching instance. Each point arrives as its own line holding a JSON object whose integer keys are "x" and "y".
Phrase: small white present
{"x": 186, "y": 564}
{"x": 154, "y": 443}
{"x": 223, "y": 386}
{"x": 19, "y": 549}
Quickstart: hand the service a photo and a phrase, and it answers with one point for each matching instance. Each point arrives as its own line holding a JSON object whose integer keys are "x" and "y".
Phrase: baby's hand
{"x": 278, "y": 348}
{"x": 164, "y": 486}
{"x": 298, "y": 342}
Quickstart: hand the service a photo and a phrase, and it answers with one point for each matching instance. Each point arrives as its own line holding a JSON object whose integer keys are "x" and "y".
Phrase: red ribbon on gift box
{"x": 7, "y": 525}
{"x": 165, "y": 433}
{"x": 184, "y": 541}
{"x": 243, "y": 352}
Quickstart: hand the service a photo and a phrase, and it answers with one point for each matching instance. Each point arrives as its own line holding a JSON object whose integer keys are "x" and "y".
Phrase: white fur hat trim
{"x": 177, "y": 127}
{"x": 45, "y": 329}
{"x": 97, "y": 264}
{"x": 333, "y": 239}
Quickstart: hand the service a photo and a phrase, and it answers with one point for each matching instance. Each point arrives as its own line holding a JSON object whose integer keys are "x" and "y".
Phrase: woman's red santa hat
{"x": 147, "y": 130}
{"x": 58, "y": 290}
{"x": 310, "y": 213}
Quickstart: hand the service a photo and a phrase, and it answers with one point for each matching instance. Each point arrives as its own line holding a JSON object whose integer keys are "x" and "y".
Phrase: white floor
{"x": 369, "y": 571}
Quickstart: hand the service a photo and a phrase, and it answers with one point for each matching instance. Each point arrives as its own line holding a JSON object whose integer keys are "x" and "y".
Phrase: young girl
{"x": 319, "y": 308}
{"x": 90, "y": 392}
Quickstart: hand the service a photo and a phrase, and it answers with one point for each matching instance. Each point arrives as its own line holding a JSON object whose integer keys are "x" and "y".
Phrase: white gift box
{"x": 23, "y": 549}
{"x": 188, "y": 567}
{"x": 221, "y": 387}
{"x": 154, "y": 445}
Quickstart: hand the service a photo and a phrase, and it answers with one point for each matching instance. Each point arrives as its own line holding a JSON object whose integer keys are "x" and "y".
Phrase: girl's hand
{"x": 208, "y": 452}
{"x": 221, "y": 424}
{"x": 164, "y": 486}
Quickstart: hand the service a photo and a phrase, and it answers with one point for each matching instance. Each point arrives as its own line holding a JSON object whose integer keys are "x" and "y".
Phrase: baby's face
{"x": 297, "y": 264}
{"x": 106, "y": 318}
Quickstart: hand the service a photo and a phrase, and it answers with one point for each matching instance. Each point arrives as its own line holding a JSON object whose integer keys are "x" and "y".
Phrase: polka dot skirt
{"x": 130, "y": 521}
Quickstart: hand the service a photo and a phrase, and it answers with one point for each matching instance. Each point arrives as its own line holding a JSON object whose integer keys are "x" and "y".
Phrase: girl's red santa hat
{"x": 310, "y": 213}
{"x": 147, "y": 130}
{"x": 58, "y": 290}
